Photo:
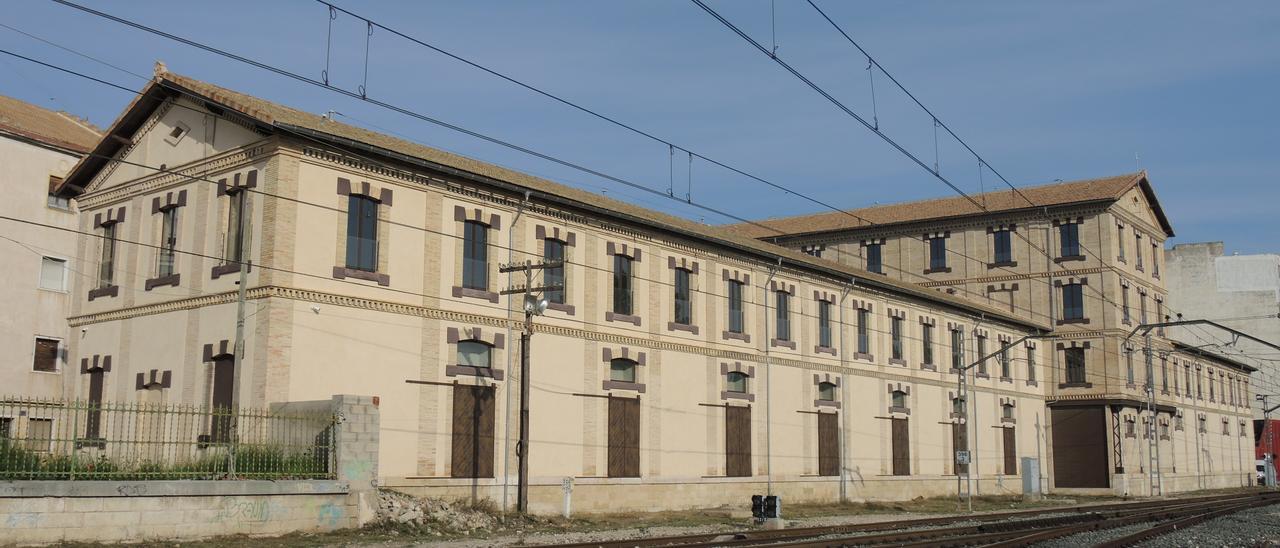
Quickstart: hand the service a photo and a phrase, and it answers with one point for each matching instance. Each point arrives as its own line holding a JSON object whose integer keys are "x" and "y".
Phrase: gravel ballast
{"x": 1253, "y": 527}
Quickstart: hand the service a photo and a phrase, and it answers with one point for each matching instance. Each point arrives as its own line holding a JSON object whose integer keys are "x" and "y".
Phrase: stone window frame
{"x": 1130, "y": 426}
{"x": 383, "y": 196}
{"x": 607, "y": 355}
{"x": 980, "y": 338}
{"x": 1010, "y": 288}
{"x": 859, "y": 306}
{"x": 928, "y": 252}
{"x": 900, "y": 315}
{"x": 170, "y": 202}
{"x": 1012, "y": 229}
{"x": 789, "y": 289}
{"x": 493, "y": 222}
{"x": 863, "y": 245}
{"x": 236, "y": 186}
{"x": 820, "y": 296}
{"x": 825, "y": 378}
{"x": 100, "y": 364}
{"x": 1030, "y": 348}
{"x": 620, "y": 249}
{"x": 496, "y": 341}
{"x": 1078, "y": 221}
{"x": 1008, "y": 403}
{"x": 569, "y": 239}
{"x": 114, "y": 217}
{"x": 932, "y": 324}
{"x": 737, "y": 367}
{"x": 1084, "y": 315}
{"x": 693, "y": 268}
{"x": 153, "y": 380}
{"x": 1086, "y": 346}
{"x": 1005, "y": 358}
{"x": 745, "y": 281}
{"x": 905, "y": 409}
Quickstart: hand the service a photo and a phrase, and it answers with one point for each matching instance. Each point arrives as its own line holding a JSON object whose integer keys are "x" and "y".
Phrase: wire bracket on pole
{"x": 688, "y": 194}
{"x": 875, "y": 114}
{"x": 328, "y": 45}
{"x": 982, "y": 187}
{"x": 773, "y": 27}
{"x": 671, "y": 170}
{"x": 368, "y": 34}
{"x": 936, "y": 158}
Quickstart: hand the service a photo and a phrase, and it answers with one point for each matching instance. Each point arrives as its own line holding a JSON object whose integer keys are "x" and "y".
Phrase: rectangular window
{"x": 106, "y": 266}
{"x": 53, "y": 274}
{"x": 926, "y": 343}
{"x": 6, "y": 429}
{"x": 1137, "y": 251}
{"x": 1069, "y": 234}
{"x": 234, "y": 252}
{"x": 683, "y": 306}
{"x": 165, "y": 265}
{"x": 864, "y": 331}
{"x": 1142, "y": 307}
{"x": 1003, "y": 246}
{"x": 1006, "y": 367}
{"x": 1075, "y": 365}
{"x": 784, "y": 316}
{"x": 1031, "y": 364}
{"x": 59, "y": 202}
{"x": 937, "y": 253}
{"x": 1159, "y": 316}
{"x": 1128, "y": 361}
{"x": 1164, "y": 374}
{"x": 622, "y": 285}
{"x": 1120, "y": 240}
{"x": 46, "y": 355}
{"x": 1155, "y": 258}
{"x": 957, "y": 349}
{"x": 362, "y": 233}
{"x": 735, "y": 306}
{"x": 895, "y": 331}
{"x": 553, "y": 251}
{"x": 982, "y": 354}
{"x": 873, "y": 259}
{"x": 475, "y": 256}
{"x": 1073, "y": 301}
{"x": 1188, "y": 379}
{"x": 39, "y": 435}
{"x": 824, "y": 324}
{"x": 1124, "y": 304}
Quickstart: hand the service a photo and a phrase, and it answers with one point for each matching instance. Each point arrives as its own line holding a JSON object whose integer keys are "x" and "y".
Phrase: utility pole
{"x": 1154, "y": 479}
{"x": 237, "y": 370}
{"x": 533, "y": 305}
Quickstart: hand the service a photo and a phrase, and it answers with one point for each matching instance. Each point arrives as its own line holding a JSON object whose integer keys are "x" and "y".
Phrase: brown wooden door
{"x": 1010, "y": 452}
{"x": 224, "y": 380}
{"x": 828, "y": 445}
{"x": 624, "y": 437}
{"x": 737, "y": 441}
{"x": 960, "y": 441}
{"x": 1080, "y": 441}
{"x": 901, "y": 449}
{"x": 473, "y": 418}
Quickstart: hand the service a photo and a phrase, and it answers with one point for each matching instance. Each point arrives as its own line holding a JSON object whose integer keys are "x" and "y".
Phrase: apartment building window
{"x": 46, "y": 355}
{"x": 874, "y": 263}
{"x": 736, "y": 382}
{"x": 1072, "y": 302}
{"x": 1128, "y": 362}
{"x": 53, "y": 274}
{"x": 957, "y": 406}
{"x": 1137, "y": 251}
{"x": 1159, "y": 316}
{"x": 981, "y": 343}
{"x": 864, "y": 331}
{"x": 553, "y": 251}
{"x": 898, "y": 399}
{"x": 622, "y": 288}
{"x": 1069, "y": 235}
{"x": 475, "y": 354}
{"x": 233, "y": 253}
{"x": 826, "y": 391}
{"x": 106, "y": 266}
{"x": 1164, "y": 373}
{"x": 1155, "y": 258}
{"x": 1187, "y": 377}
{"x": 957, "y": 349}
{"x": 1120, "y": 242}
{"x": 1124, "y": 305}
{"x": 1075, "y": 365}
{"x": 1003, "y": 245}
{"x": 736, "y": 319}
{"x": 165, "y": 265}
{"x": 824, "y": 324}
{"x": 1199, "y": 386}
{"x": 937, "y": 254}
{"x": 1211, "y": 392}
{"x": 783, "y": 331}
{"x": 683, "y": 305}
{"x": 895, "y": 332}
{"x": 1142, "y": 307}
{"x": 926, "y": 344}
{"x": 475, "y": 256}
{"x": 622, "y": 370}
{"x": 1031, "y": 364}
{"x": 59, "y": 202}
{"x": 1006, "y": 367}
{"x": 39, "y": 435}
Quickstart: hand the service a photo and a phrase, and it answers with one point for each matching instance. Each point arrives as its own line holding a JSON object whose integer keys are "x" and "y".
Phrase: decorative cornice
{"x": 203, "y": 170}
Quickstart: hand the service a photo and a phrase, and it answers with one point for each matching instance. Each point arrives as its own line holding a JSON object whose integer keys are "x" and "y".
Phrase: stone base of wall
{"x": 1138, "y": 485}
{"x": 101, "y": 511}
{"x": 602, "y": 495}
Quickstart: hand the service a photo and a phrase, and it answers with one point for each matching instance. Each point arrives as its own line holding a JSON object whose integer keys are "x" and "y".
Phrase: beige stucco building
{"x": 682, "y": 366}
{"x": 1087, "y": 257}
{"x": 37, "y": 148}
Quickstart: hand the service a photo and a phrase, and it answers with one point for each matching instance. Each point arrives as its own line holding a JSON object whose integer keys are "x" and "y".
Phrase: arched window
{"x": 475, "y": 354}
{"x": 737, "y": 382}
{"x": 826, "y": 391}
{"x": 899, "y": 399}
{"x": 622, "y": 370}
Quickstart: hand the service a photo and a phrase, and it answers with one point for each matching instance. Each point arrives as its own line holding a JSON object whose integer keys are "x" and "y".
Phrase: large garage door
{"x": 1080, "y": 447}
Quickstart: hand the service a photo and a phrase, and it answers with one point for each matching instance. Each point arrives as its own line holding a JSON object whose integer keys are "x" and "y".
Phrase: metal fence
{"x": 84, "y": 440}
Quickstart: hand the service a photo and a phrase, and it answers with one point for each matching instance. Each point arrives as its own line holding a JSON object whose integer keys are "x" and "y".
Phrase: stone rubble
{"x": 431, "y": 515}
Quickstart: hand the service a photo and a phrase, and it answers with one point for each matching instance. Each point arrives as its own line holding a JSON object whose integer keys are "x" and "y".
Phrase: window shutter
{"x": 53, "y": 273}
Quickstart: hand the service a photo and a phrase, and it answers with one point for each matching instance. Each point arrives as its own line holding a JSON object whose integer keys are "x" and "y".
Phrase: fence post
{"x": 355, "y": 443}
{"x": 75, "y": 427}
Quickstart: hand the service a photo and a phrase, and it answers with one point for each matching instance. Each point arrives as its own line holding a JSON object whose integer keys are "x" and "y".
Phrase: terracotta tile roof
{"x": 340, "y": 134}
{"x": 53, "y": 128}
{"x": 1071, "y": 192}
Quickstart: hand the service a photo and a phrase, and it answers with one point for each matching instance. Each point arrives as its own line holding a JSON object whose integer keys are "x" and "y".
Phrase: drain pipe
{"x": 506, "y": 424}
{"x": 844, "y": 388}
{"x": 768, "y": 386}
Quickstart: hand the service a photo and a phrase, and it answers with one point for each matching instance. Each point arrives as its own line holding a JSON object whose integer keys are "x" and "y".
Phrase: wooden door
{"x": 624, "y": 437}
{"x": 1010, "y": 452}
{"x": 224, "y": 380}
{"x": 473, "y": 419}
{"x": 737, "y": 441}
{"x": 959, "y": 441}
{"x": 901, "y": 449}
{"x": 828, "y": 445}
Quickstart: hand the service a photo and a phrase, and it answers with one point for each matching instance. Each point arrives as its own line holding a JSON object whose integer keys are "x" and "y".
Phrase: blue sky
{"x": 1042, "y": 90}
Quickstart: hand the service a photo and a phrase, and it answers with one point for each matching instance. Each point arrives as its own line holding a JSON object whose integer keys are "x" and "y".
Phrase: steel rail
{"x": 1166, "y": 528}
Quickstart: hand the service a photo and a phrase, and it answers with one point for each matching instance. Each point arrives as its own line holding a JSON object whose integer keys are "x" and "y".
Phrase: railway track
{"x": 1003, "y": 529}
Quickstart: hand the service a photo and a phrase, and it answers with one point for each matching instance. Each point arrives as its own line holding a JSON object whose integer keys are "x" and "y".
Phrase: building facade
{"x": 1087, "y": 257}
{"x": 37, "y": 148}
{"x": 680, "y": 366}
